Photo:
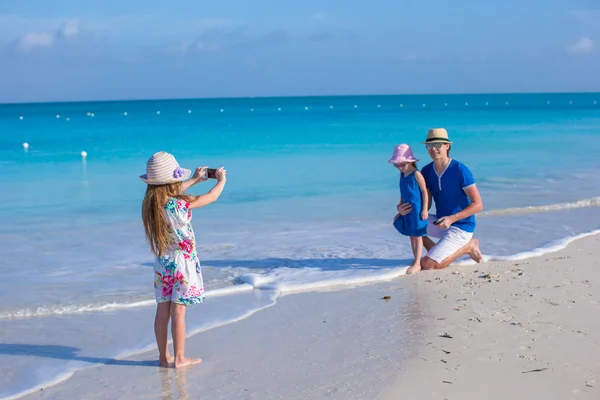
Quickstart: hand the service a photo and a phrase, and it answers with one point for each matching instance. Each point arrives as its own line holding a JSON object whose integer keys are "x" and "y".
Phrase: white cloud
{"x": 319, "y": 16}
{"x": 31, "y": 41}
{"x": 68, "y": 29}
{"x": 200, "y": 45}
{"x": 218, "y": 40}
{"x": 208, "y": 46}
{"x": 15, "y": 29}
{"x": 585, "y": 15}
{"x": 34, "y": 40}
{"x": 210, "y": 41}
{"x": 585, "y": 45}
{"x": 180, "y": 48}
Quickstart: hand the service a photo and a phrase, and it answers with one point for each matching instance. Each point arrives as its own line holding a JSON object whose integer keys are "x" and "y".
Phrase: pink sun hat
{"x": 402, "y": 153}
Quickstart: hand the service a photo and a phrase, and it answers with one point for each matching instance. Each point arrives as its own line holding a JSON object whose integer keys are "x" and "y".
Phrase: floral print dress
{"x": 177, "y": 274}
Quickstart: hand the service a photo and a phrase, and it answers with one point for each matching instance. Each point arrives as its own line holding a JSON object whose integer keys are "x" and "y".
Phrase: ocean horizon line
{"x": 237, "y": 98}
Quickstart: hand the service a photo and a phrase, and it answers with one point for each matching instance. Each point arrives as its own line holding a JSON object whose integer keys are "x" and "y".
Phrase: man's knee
{"x": 428, "y": 263}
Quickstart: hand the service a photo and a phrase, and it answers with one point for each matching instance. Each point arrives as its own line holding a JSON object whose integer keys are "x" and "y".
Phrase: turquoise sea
{"x": 308, "y": 204}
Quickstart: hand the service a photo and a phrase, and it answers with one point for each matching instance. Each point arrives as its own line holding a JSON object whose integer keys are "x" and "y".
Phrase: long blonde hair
{"x": 153, "y": 215}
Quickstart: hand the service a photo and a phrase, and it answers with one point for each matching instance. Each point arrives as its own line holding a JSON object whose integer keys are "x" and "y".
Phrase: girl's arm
{"x": 214, "y": 193}
{"x": 196, "y": 178}
{"x": 429, "y": 198}
{"x": 424, "y": 194}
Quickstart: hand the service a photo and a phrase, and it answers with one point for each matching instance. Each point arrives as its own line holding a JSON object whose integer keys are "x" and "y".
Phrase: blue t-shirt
{"x": 447, "y": 190}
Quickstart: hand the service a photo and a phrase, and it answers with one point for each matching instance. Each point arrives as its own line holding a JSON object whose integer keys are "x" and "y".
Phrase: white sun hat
{"x": 162, "y": 168}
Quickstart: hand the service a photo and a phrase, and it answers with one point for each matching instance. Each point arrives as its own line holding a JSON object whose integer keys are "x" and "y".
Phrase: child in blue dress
{"x": 414, "y": 192}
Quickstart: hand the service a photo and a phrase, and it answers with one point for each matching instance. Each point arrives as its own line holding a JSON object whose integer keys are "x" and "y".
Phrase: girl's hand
{"x": 424, "y": 215}
{"x": 200, "y": 174}
{"x": 221, "y": 174}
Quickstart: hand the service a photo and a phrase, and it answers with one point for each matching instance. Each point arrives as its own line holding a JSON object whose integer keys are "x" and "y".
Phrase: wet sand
{"x": 498, "y": 330}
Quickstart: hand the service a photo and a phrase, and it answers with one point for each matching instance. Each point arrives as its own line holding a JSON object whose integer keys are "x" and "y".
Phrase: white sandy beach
{"x": 525, "y": 329}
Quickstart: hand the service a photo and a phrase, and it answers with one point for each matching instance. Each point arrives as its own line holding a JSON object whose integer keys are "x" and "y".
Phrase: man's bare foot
{"x": 167, "y": 362}
{"x": 184, "y": 362}
{"x": 475, "y": 253}
{"x": 413, "y": 269}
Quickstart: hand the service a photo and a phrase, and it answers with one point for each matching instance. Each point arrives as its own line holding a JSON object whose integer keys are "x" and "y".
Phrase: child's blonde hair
{"x": 153, "y": 215}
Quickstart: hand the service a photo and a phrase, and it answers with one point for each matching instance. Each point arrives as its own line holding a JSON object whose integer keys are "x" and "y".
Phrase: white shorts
{"x": 450, "y": 242}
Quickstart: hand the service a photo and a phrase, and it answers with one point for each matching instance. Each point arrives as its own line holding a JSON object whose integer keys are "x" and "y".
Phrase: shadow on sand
{"x": 325, "y": 264}
{"x": 66, "y": 353}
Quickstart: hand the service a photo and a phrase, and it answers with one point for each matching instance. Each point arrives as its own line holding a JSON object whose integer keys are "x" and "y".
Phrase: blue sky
{"x": 98, "y": 50}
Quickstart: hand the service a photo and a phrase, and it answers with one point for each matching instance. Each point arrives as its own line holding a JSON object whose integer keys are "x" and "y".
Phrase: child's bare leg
{"x": 161, "y": 331}
{"x": 416, "y": 242}
{"x": 178, "y": 332}
{"x": 428, "y": 243}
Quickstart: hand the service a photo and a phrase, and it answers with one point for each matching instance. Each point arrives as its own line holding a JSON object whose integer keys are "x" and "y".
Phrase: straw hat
{"x": 402, "y": 153}
{"x": 162, "y": 169}
{"x": 437, "y": 135}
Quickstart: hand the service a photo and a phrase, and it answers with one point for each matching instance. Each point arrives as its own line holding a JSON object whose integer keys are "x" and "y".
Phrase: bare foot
{"x": 186, "y": 362}
{"x": 413, "y": 269}
{"x": 475, "y": 253}
{"x": 167, "y": 362}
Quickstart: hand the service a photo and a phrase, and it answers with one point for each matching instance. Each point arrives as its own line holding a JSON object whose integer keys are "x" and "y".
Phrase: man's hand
{"x": 446, "y": 222}
{"x": 404, "y": 208}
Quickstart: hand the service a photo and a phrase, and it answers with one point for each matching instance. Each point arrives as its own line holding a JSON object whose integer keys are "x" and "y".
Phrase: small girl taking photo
{"x": 167, "y": 215}
{"x": 414, "y": 192}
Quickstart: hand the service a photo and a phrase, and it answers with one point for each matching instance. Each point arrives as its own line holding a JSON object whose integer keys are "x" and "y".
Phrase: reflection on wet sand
{"x": 167, "y": 375}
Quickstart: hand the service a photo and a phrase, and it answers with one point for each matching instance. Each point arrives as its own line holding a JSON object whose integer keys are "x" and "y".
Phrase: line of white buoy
{"x": 83, "y": 154}
{"x": 306, "y": 108}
